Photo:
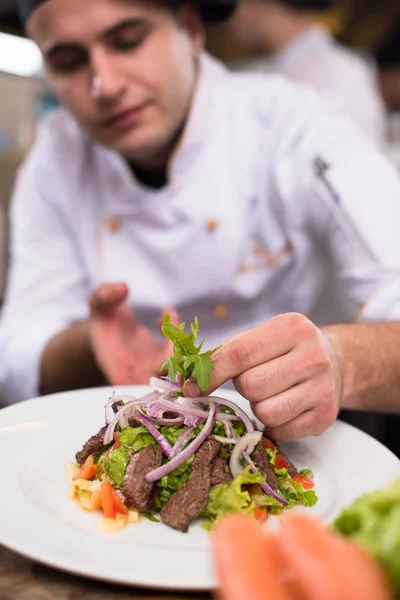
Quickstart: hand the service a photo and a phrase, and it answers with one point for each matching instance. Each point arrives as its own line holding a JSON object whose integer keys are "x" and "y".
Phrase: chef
{"x": 287, "y": 37}
{"x": 168, "y": 183}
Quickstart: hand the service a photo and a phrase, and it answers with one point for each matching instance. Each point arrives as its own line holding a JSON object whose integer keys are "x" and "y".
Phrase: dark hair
{"x": 388, "y": 54}
{"x": 212, "y": 11}
{"x": 309, "y": 4}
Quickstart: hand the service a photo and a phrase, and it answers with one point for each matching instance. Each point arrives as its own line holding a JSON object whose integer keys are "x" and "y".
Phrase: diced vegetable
{"x": 107, "y": 500}
{"x": 267, "y": 443}
{"x": 280, "y": 463}
{"x": 87, "y": 471}
{"x": 261, "y": 514}
{"x": 305, "y": 481}
{"x": 112, "y": 525}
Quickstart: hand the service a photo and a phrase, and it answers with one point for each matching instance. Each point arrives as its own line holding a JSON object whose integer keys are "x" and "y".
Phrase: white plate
{"x": 38, "y": 438}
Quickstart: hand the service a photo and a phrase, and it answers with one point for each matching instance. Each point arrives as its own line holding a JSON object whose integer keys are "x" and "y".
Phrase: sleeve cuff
{"x": 383, "y": 304}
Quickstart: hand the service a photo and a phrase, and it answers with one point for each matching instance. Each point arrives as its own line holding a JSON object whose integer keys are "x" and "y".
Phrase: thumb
{"x": 107, "y": 296}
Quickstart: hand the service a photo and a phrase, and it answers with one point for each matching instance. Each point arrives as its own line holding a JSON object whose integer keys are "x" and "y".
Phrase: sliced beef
{"x": 191, "y": 498}
{"x": 137, "y": 489}
{"x": 261, "y": 461}
{"x": 219, "y": 474}
{"x": 291, "y": 468}
{"x": 93, "y": 446}
{"x": 117, "y": 405}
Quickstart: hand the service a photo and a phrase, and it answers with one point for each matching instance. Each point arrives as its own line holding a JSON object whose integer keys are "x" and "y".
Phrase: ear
{"x": 189, "y": 19}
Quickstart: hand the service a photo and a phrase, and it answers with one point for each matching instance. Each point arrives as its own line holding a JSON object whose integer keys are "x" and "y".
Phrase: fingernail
{"x": 191, "y": 389}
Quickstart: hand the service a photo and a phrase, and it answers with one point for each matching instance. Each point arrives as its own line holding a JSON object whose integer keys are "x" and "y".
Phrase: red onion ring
{"x": 187, "y": 452}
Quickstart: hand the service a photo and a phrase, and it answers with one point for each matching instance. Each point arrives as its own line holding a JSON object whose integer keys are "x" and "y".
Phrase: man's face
{"x": 124, "y": 68}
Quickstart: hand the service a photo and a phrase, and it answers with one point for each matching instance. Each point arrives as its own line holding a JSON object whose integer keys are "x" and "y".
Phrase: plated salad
{"x": 175, "y": 459}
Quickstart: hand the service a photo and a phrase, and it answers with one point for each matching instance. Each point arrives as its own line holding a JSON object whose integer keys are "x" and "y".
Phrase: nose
{"x": 107, "y": 84}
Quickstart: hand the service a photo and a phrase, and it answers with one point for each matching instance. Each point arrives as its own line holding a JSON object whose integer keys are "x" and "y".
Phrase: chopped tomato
{"x": 261, "y": 514}
{"x": 119, "y": 506}
{"x": 304, "y": 480}
{"x": 107, "y": 500}
{"x": 111, "y": 502}
{"x": 116, "y": 436}
{"x": 281, "y": 463}
{"x": 267, "y": 443}
{"x": 87, "y": 470}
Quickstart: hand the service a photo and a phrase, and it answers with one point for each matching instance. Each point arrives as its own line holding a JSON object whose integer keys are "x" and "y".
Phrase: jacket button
{"x": 114, "y": 225}
{"x": 212, "y": 225}
{"x": 220, "y": 312}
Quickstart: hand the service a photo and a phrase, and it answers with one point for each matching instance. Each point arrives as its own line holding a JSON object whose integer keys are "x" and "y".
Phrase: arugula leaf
{"x": 187, "y": 360}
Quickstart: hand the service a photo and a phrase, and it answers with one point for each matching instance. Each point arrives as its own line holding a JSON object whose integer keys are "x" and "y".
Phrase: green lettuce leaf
{"x": 295, "y": 493}
{"x": 373, "y": 520}
{"x": 219, "y": 429}
{"x": 230, "y": 497}
{"x": 269, "y": 501}
{"x": 307, "y": 473}
{"x": 137, "y": 438}
{"x": 272, "y": 455}
{"x": 116, "y": 463}
{"x": 172, "y": 432}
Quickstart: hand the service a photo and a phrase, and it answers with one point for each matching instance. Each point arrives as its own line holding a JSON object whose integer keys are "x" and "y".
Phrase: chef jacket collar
{"x": 132, "y": 195}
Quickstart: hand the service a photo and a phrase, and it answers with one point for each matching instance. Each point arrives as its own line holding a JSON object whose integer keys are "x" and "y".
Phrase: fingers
{"x": 285, "y": 407}
{"x": 245, "y": 560}
{"x": 271, "y": 378}
{"x": 300, "y": 427}
{"x": 273, "y": 339}
{"x": 306, "y": 361}
{"x": 107, "y": 296}
{"x": 309, "y": 423}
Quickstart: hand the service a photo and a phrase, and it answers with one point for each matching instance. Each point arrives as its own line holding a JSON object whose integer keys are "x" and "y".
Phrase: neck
{"x": 280, "y": 26}
{"x": 158, "y": 161}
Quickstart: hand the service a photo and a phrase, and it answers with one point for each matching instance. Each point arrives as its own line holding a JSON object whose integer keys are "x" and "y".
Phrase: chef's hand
{"x": 303, "y": 561}
{"x": 126, "y": 352}
{"x": 288, "y": 370}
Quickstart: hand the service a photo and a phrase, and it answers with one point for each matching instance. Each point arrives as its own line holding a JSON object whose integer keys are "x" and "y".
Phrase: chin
{"x": 134, "y": 144}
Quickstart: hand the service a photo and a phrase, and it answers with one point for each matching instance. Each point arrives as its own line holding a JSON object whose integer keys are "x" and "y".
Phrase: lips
{"x": 124, "y": 118}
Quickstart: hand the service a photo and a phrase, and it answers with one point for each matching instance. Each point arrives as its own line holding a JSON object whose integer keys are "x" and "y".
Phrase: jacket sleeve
{"x": 342, "y": 192}
{"x": 47, "y": 288}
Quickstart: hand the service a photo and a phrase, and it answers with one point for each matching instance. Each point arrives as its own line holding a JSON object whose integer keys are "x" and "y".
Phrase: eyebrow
{"x": 66, "y": 46}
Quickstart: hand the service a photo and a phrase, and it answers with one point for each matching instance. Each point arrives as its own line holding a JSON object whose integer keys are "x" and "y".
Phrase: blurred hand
{"x": 303, "y": 561}
{"x": 125, "y": 351}
{"x": 289, "y": 372}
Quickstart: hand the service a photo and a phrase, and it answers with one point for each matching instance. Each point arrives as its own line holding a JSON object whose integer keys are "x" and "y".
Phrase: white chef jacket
{"x": 238, "y": 234}
{"x": 349, "y": 82}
